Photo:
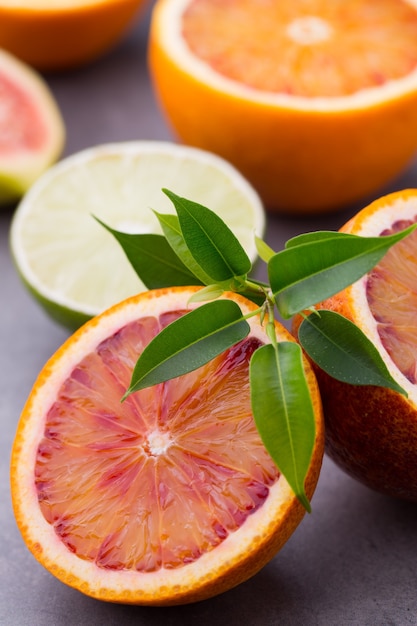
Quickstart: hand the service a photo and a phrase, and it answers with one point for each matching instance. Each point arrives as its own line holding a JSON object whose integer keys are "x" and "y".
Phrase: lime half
{"x": 71, "y": 264}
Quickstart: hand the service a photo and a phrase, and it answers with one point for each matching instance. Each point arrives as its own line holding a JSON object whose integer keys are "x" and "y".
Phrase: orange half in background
{"x": 315, "y": 101}
{"x": 61, "y": 34}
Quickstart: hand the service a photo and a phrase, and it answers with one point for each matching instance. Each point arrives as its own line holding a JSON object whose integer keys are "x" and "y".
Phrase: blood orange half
{"x": 371, "y": 432}
{"x": 166, "y": 498}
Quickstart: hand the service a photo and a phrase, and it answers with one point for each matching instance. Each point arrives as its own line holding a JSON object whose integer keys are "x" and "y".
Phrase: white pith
{"x": 309, "y": 30}
{"x": 168, "y": 23}
{"x": 157, "y": 442}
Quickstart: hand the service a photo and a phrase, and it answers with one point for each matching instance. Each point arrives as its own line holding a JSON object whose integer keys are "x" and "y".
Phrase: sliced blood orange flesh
{"x": 162, "y": 478}
{"x": 304, "y": 48}
{"x": 168, "y": 497}
{"x": 392, "y": 297}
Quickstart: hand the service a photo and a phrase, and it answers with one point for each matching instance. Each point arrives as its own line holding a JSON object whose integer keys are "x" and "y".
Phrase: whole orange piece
{"x": 62, "y": 34}
{"x": 166, "y": 498}
{"x": 371, "y": 432}
{"x": 315, "y": 101}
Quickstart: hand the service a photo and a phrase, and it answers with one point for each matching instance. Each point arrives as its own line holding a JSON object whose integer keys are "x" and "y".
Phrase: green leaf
{"x": 171, "y": 228}
{"x": 306, "y": 273}
{"x": 211, "y": 292}
{"x": 265, "y": 252}
{"x": 189, "y": 342}
{"x": 199, "y": 248}
{"x": 153, "y": 259}
{"x": 342, "y": 350}
{"x": 212, "y": 244}
{"x": 283, "y": 411}
{"x": 318, "y": 235}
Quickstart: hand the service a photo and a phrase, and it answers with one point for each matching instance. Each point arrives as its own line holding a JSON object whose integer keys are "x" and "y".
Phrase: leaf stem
{"x": 270, "y": 326}
{"x": 253, "y": 282}
{"x": 249, "y": 287}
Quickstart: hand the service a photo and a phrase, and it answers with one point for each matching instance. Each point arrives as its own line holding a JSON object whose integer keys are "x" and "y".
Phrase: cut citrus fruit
{"x": 63, "y": 34}
{"x": 371, "y": 432}
{"x": 32, "y": 130}
{"x": 71, "y": 263}
{"x": 315, "y": 102}
{"x": 166, "y": 498}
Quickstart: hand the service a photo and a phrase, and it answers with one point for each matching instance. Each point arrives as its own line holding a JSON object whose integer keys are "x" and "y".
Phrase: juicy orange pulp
{"x": 165, "y": 476}
{"x": 304, "y": 48}
{"x": 392, "y": 297}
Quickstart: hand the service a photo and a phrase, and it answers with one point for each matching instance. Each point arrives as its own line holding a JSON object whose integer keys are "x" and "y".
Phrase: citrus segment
{"x": 371, "y": 432}
{"x": 168, "y": 497}
{"x": 315, "y": 102}
{"x": 72, "y": 265}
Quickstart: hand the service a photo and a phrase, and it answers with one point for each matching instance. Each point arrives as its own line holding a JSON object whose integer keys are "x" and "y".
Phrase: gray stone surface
{"x": 352, "y": 562}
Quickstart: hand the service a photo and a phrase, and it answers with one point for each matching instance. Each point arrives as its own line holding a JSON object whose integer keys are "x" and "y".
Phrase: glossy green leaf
{"x": 211, "y": 292}
{"x": 189, "y": 342}
{"x": 199, "y": 248}
{"x": 318, "y": 235}
{"x": 211, "y": 242}
{"x": 283, "y": 411}
{"x": 342, "y": 350}
{"x": 153, "y": 260}
{"x": 306, "y": 273}
{"x": 171, "y": 228}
